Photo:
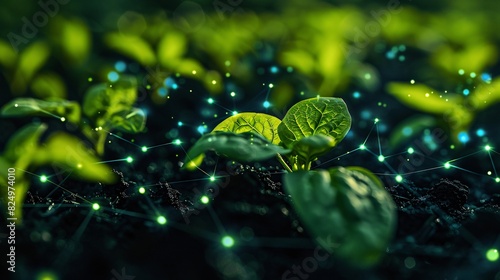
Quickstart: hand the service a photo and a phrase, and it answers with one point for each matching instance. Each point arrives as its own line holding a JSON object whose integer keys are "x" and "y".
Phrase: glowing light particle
{"x": 79, "y": 166}
{"x": 497, "y": 179}
{"x": 212, "y": 178}
{"x": 129, "y": 159}
{"x": 214, "y": 82}
{"x": 486, "y": 77}
{"x": 194, "y": 72}
{"x": 461, "y": 72}
{"x": 463, "y": 137}
{"x": 274, "y": 69}
{"x": 201, "y": 129}
{"x": 46, "y": 276}
{"x": 179, "y": 123}
{"x": 227, "y": 241}
{"x": 356, "y": 94}
{"x": 233, "y": 94}
{"x": 381, "y": 158}
{"x": 399, "y": 178}
{"x": 368, "y": 76}
{"x": 96, "y": 206}
{"x": 411, "y": 150}
{"x": 120, "y": 66}
{"x": 177, "y": 142}
{"x": 161, "y": 220}
{"x": 162, "y": 92}
{"x": 43, "y": 178}
{"x": 480, "y": 132}
{"x": 492, "y": 255}
{"x": 142, "y": 190}
{"x": 376, "y": 120}
{"x": 271, "y": 85}
{"x": 466, "y": 92}
{"x": 412, "y": 82}
{"x": 472, "y": 74}
{"x": 204, "y": 199}
{"x": 235, "y": 113}
{"x": 266, "y": 104}
{"x": 63, "y": 119}
{"x": 210, "y": 101}
{"x": 487, "y": 148}
{"x": 144, "y": 149}
{"x": 362, "y": 147}
{"x": 447, "y": 165}
{"x": 113, "y": 76}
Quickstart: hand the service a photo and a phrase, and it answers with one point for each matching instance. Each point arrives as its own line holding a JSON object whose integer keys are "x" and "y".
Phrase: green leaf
{"x": 35, "y": 107}
{"x": 315, "y": 116}
{"x": 73, "y": 39}
{"x": 346, "y": 210}
{"x": 96, "y": 100}
{"x": 243, "y": 147}
{"x": 171, "y": 48}
{"x": 69, "y": 152}
{"x": 48, "y": 85}
{"x": 24, "y": 142}
{"x": 263, "y": 124}
{"x": 312, "y": 147}
{"x": 29, "y": 62}
{"x": 129, "y": 120}
{"x": 423, "y": 98}
{"x": 123, "y": 91}
{"x": 132, "y": 46}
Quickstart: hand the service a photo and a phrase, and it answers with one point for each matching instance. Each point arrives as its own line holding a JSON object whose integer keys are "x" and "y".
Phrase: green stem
{"x": 101, "y": 141}
{"x": 282, "y": 161}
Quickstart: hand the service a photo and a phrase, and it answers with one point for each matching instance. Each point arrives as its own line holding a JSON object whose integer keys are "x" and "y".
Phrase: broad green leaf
{"x": 96, "y": 100}
{"x": 171, "y": 48}
{"x": 486, "y": 95}
{"x": 243, "y": 147}
{"x": 423, "y": 98}
{"x": 311, "y": 147}
{"x": 69, "y": 152}
{"x": 19, "y": 107}
{"x": 73, "y": 38}
{"x": 9, "y": 56}
{"x": 315, "y": 116}
{"x": 132, "y": 46}
{"x": 346, "y": 210}
{"x": 48, "y": 85}
{"x": 29, "y": 62}
{"x": 263, "y": 124}
{"x": 123, "y": 91}
{"x": 129, "y": 120}
{"x": 24, "y": 142}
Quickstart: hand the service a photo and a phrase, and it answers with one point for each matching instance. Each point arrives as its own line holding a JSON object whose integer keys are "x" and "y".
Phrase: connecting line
{"x": 62, "y": 182}
{"x": 121, "y": 138}
{"x": 378, "y": 139}
{"x": 161, "y": 145}
{"x": 190, "y": 159}
{"x": 493, "y": 164}
{"x": 462, "y": 157}
{"x": 346, "y": 153}
{"x": 217, "y": 221}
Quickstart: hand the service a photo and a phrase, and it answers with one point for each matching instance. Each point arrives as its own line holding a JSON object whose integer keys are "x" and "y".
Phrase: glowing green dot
{"x": 212, "y": 178}
{"x": 381, "y": 158}
{"x": 46, "y": 276}
{"x": 497, "y": 179}
{"x": 227, "y": 241}
{"x": 472, "y": 75}
{"x": 177, "y": 142}
{"x": 399, "y": 178}
{"x": 377, "y": 120}
{"x": 362, "y": 147}
{"x": 204, "y": 199}
{"x": 142, "y": 190}
{"x": 461, "y": 71}
{"x": 96, "y": 206}
{"x": 447, "y": 165}
{"x": 271, "y": 85}
{"x": 235, "y": 113}
{"x": 144, "y": 149}
{"x": 487, "y": 147}
{"x": 129, "y": 159}
{"x": 43, "y": 179}
{"x": 161, "y": 220}
{"x": 89, "y": 79}
{"x": 368, "y": 76}
{"x": 411, "y": 150}
{"x": 210, "y": 101}
{"x": 63, "y": 119}
{"x": 233, "y": 94}
{"x": 492, "y": 255}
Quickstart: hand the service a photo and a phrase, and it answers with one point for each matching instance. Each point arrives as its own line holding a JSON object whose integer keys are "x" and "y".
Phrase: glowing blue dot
{"x": 463, "y": 137}
{"x": 366, "y": 114}
{"x": 120, "y": 66}
{"x": 274, "y": 69}
{"x": 175, "y": 86}
{"x": 407, "y": 131}
{"x": 113, "y": 76}
{"x": 266, "y": 104}
{"x": 466, "y": 92}
{"x": 163, "y": 92}
{"x": 235, "y": 113}
{"x": 486, "y": 77}
{"x": 480, "y": 132}
{"x": 390, "y": 54}
{"x": 179, "y": 123}
{"x": 356, "y": 94}
{"x": 201, "y": 129}
{"x": 169, "y": 82}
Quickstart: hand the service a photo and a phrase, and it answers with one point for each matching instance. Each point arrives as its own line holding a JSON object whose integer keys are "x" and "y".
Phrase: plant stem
{"x": 99, "y": 146}
{"x": 282, "y": 161}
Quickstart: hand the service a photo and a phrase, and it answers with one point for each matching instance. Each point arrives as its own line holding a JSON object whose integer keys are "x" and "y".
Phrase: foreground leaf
{"x": 322, "y": 115}
{"x": 34, "y": 107}
{"x": 244, "y": 147}
{"x": 24, "y": 143}
{"x": 312, "y": 147}
{"x": 263, "y": 124}
{"x": 346, "y": 210}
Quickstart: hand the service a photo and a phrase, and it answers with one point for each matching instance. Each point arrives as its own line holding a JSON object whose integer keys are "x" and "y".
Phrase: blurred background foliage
{"x": 329, "y": 47}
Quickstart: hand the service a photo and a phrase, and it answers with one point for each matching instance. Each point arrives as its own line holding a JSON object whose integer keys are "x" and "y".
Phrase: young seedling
{"x": 109, "y": 107}
{"x": 346, "y": 209}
